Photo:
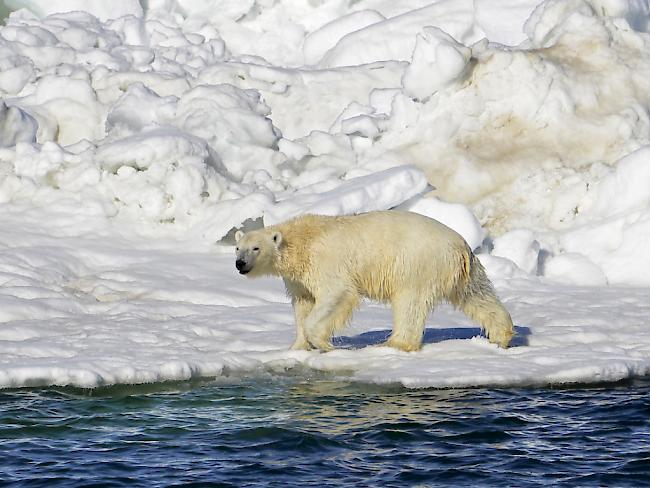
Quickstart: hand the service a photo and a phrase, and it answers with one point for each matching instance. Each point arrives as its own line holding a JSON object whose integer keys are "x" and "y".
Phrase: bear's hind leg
{"x": 479, "y": 302}
{"x": 409, "y": 318}
{"x": 330, "y": 313}
{"x": 493, "y": 318}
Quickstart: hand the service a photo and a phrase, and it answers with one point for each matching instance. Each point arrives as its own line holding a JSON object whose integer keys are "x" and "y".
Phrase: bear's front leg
{"x": 331, "y": 312}
{"x": 301, "y": 309}
{"x": 303, "y": 303}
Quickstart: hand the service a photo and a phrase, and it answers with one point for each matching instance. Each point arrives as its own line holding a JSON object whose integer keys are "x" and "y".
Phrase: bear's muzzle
{"x": 240, "y": 264}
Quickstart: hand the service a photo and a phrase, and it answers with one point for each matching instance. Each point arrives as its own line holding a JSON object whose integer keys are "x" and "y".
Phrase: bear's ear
{"x": 277, "y": 239}
{"x": 238, "y": 235}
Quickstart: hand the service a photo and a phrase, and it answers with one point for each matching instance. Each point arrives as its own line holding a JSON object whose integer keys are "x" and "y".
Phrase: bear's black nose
{"x": 239, "y": 264}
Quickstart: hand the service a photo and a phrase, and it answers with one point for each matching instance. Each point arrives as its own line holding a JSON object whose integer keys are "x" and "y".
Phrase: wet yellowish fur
{"x": 410, "y": 261}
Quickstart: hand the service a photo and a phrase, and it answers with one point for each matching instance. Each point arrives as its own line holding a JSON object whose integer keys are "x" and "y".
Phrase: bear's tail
{"x": 480, "y": 303}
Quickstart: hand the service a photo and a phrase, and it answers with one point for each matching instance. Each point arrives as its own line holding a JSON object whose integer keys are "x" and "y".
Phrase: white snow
{"x": 453, "y": 215}
{"x": 99, "y": 8}
{"x": 94, "y": 311}
{"x": 438, "y": 60}
{"x": 395, "y": 37}
{"x": 134, "y": 140}
{"x": 317, "y": 43}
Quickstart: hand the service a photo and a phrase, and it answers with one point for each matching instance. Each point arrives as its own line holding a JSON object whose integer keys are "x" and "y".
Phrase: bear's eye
{"x": 256, "y": 249}
{"x": 236, "y": 249}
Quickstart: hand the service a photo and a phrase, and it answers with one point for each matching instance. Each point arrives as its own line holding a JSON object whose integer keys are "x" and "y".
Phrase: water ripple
{"x": 258, "y": 433}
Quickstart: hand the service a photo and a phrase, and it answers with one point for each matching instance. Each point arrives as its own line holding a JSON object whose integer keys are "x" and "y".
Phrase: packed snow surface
{"x": 93, "y": 311}
{"x": 134, "y": 140}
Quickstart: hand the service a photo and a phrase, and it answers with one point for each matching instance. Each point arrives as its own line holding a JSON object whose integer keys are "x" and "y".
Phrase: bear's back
{"x": 378, "y": 251}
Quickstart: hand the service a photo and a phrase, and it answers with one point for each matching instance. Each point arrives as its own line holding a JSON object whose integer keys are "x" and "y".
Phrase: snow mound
{"x": 456, "y": 216}
{"x": 115, "y": 112}
{"x": 395, "y": 38}
{"x": 380, "y": 190}
{"x": 98, "y": 8}
{"x": 437, "y": 61}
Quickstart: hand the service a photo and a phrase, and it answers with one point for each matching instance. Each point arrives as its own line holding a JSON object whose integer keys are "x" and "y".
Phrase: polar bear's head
{"x": 257, "y": 251}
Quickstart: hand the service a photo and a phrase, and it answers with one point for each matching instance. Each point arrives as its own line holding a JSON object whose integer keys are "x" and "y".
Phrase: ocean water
{"x": 287, "y": 431}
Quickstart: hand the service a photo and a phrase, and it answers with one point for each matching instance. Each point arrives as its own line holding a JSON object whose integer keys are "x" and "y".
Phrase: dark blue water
{"x": 290, "y": 431}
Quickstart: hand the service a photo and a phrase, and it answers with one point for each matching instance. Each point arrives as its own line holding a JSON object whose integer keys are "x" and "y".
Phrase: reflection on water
{"x": 337, "y": 408}
{"x": 283, "y": 431}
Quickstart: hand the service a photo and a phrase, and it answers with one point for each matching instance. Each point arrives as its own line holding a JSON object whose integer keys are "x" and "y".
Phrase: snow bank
{"x": 437, "y": 62}
{"x": 378, "y": 191}
{"x": 124, "y": 113}
{"x": 614, "y": 222}
{"x": 320, "y": 41}
{"x": 523, "y": 135}
{"x": 493, "y": 127}
{"x": 99, "y": 8}
{"x": 454, "y": 215}
{"x": 394, "y": 38}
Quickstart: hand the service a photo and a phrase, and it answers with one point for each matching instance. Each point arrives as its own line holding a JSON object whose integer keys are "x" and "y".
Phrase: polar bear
{"x": 410, "y": 261}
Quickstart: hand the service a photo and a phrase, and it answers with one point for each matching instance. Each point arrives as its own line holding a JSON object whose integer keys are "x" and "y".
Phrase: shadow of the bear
{"x": 431, "y": 336}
